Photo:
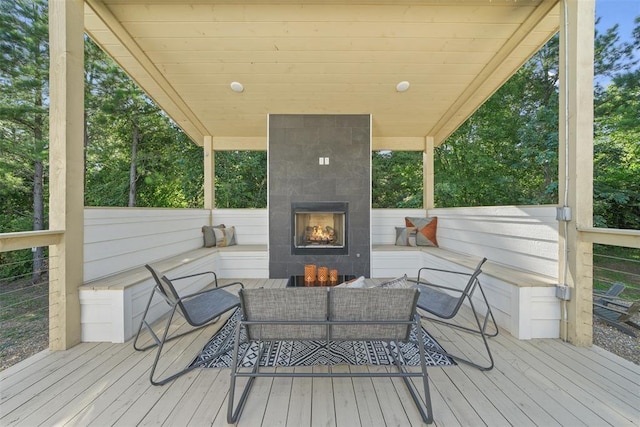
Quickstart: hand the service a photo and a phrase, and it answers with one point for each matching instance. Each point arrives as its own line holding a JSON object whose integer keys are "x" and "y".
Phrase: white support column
{"x": 66, "y": 159}
{"x": 209, "y": 173}
{"x": 576, "y": 163}
{"x": 428, "y": 181}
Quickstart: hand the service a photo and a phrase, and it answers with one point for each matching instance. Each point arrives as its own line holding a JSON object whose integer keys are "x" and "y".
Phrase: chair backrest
{"x": 615, "y": 290}
{"x": 288, "y": 305}
{"x": 164, "y": 285}
{"x": 375, "y": 305}
{"x": 297, "y": 305}
{"x": 470, "y": 287}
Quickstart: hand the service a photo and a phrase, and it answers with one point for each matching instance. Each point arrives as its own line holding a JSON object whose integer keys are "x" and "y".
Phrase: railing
{"x": 24, "y": 304}
{"x": 615, "y": 264}
{"x": 29, "y": 239}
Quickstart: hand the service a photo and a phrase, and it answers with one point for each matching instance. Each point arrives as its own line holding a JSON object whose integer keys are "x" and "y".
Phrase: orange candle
{"x": 309, "y": 274}
{"x": 323, "y": 275}
{"x": 333, "y": 277}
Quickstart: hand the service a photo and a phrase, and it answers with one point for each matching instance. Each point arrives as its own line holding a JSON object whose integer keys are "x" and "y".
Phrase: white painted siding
{"x": 523, "y": 237}
{"x": 117, "y": 239}
{"x": 252, "y": 225}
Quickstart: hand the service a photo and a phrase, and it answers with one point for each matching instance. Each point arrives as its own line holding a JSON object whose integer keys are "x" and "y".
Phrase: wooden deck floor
{"x": 538, "y": 382}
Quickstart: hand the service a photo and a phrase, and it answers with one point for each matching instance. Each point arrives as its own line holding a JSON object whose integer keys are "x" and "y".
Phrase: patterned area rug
{"x": 218, "y": 353}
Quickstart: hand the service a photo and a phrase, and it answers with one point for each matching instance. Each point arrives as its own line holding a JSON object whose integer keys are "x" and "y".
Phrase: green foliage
{"x": 506, "y": 152}
{"x": 617, "y": 154}
{"x": 241, "y": 179}
{"x": 24, "y": 73}
{"x": 168, "y": 167}
{"x": 396, "y": 179}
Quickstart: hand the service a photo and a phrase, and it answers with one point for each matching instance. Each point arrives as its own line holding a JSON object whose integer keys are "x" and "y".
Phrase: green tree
{"x": 506, "y": 152}
{"x": 241, "y": 179}
{"x": 24, "y": 65}
{"x": 617, "y": 131}
{"x": 397, "y": 179}
{"x": 617, "y": 146}
{"x": 135, "y": 155}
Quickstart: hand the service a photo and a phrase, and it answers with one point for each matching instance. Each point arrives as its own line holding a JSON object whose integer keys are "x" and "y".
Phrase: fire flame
{"x": 320, "y": 234}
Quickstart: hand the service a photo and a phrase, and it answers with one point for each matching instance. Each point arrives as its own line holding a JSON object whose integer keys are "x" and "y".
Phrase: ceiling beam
{"x": 112, "y": 23}
{"x": 401, "y": 143}
{"x": 230, "y": 143}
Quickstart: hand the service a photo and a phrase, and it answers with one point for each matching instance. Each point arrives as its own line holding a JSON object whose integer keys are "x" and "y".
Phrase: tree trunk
{"x": 132, "y": 168}
{"x": 38, "y": 195}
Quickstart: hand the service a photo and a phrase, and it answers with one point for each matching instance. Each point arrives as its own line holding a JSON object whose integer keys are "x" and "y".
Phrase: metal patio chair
{"x": 444, "y": 302}
{"x": 198, "y": 309}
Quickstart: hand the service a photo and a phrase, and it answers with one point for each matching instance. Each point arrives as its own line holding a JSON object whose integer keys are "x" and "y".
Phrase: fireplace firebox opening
{"x": 319, "y": 228}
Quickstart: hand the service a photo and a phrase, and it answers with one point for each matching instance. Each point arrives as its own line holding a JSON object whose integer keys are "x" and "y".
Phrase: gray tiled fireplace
{"x": 298, "y": 144}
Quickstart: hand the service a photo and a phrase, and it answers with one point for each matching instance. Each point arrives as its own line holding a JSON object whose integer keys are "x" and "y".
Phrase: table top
{"x": 295, "y": 281}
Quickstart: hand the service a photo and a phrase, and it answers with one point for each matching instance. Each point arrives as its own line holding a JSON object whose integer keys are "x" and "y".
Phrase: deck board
{"x": 369, "y": 411}
{"x": 300, "y": 403}
{"x": 541, "y": 382}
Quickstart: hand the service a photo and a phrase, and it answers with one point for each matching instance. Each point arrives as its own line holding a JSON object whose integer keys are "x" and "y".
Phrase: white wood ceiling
{"x": 320, "y": 57}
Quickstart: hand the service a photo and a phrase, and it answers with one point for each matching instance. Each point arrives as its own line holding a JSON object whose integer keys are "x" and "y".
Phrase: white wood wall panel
{"x": 523, "y": 237}
{"x": 114, "y": 315}
{"x": 520, "y": 237}
{"x": 243, "y": 265}
{"x": 252, "y": 225}
{"x": 121, "y": 239}
{"x": 118, "y": 239}
{"x": 391, "y": 264}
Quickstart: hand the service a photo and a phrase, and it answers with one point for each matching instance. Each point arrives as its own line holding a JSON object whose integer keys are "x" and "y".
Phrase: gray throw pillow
{"x": 209, "y": 235}
{"x": 400, "y": 282}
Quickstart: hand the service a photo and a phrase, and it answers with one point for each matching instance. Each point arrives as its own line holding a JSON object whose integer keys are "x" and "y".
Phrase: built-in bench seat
{"x": 112, "y": 306}
{"x": 217, "y": 256}
{"x": 120, "y": 241}
{"x": 520, "y": 243}
{"x": 523, "y": 302}
{"x": 128, "y": 278}
{"x": 386, "y": 255}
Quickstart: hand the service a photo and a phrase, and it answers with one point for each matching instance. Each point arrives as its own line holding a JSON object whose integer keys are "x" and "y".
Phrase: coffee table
{"x": 295, "y": 281}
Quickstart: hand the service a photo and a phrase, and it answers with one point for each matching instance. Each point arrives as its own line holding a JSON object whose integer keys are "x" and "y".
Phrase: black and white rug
{"x": 310, "y": 353}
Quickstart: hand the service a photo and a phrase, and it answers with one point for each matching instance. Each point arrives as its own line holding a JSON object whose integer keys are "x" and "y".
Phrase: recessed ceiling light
{"x": 236, "y": 87}
{"x": 402, "y": 86}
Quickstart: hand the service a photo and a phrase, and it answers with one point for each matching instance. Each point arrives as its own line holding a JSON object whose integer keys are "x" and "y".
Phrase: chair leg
{"x": 143, "y": 323}
{"x": 234, "y": 414}
{"x": 159, "y": 352}
{"x": 425, "y": 375}
{"x": 481, "y": 330}
{"x": 425, "y": 409}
